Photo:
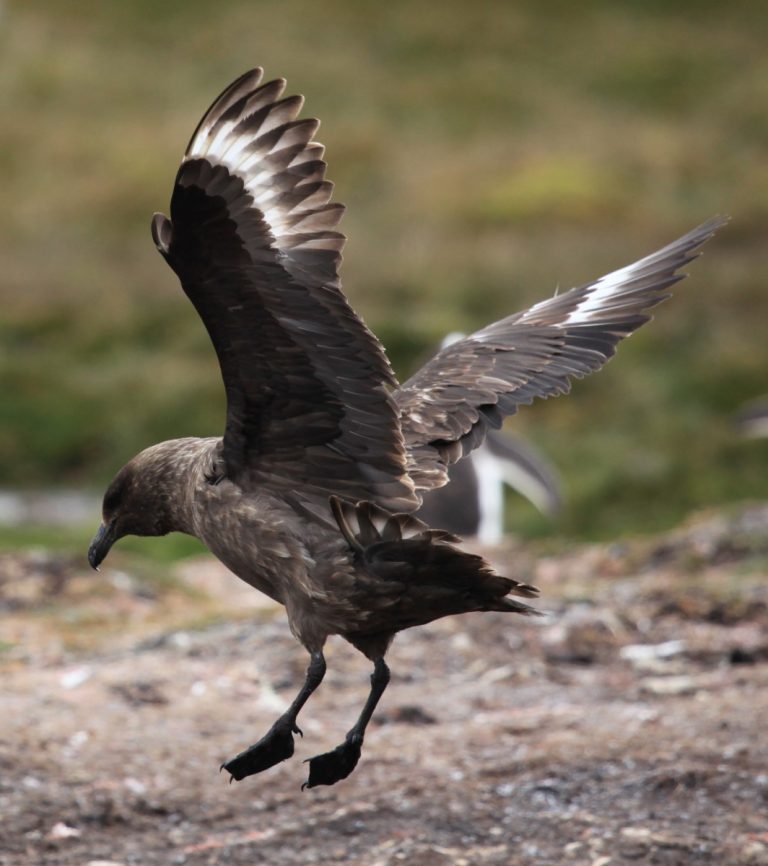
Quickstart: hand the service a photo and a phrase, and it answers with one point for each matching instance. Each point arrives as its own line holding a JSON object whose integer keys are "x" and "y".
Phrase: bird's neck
{"x": 172, "y": 472}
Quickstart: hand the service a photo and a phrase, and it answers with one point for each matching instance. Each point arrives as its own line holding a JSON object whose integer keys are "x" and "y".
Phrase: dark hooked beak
{"x": 103, "y": 540}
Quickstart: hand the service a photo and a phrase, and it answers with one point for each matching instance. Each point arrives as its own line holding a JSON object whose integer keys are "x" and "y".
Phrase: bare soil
{"x": 626, "y": 727}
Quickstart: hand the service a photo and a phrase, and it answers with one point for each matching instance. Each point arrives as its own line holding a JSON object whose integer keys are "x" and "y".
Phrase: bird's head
{"x": 141, "y": 500}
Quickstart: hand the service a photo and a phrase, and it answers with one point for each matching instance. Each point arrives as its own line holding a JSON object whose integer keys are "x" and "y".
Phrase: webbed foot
{"x": 333, "y": 766}
{"x": 275, "y": 746}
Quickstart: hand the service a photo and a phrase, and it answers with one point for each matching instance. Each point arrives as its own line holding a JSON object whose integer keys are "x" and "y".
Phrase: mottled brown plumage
{"x": 306, "y": 496}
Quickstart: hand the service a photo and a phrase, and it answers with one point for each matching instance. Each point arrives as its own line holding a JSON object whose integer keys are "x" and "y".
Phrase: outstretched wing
{"x": 252, "y": 237}
{"x": 447, "y": 407}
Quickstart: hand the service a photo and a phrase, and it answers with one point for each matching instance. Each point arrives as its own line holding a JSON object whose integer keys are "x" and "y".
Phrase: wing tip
{"x": 245, "y": 82}
{"x": 714, "y": 223}
{"x": 702, "y": 233}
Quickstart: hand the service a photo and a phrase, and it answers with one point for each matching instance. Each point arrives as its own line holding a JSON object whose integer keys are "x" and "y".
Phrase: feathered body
{"x": 352, "y": 570}
{"x": 308, "y": 494}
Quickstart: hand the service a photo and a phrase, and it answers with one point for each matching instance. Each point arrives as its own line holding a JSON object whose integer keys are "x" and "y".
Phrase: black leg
{"x": 332, "y": 767}
{"x": 277, "y": 744}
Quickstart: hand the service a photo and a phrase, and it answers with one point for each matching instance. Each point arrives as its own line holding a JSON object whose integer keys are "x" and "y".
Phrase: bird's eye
{"x": 111, "y": 500}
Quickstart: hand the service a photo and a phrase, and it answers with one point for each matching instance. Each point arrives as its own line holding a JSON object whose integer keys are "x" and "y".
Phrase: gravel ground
{"x": 626, "y": 727}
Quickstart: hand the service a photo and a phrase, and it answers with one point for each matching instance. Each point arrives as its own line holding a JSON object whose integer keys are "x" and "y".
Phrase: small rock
{"x": 635, "y": 842}
{"x": 641, "y": 652}
{"x": 60, "y": 830}
{"x": 74, "y": 678}
{"x": 135, "y": 786}
{"x": 674, "y": 842}
{"x": 462, "y": 641}
{"x": 495, "y": 675}
{"x": 636, "y": 833}
{"x": 181, "y": 640}
{"x": 78, "y": 740}
{"x": 676, "y": 685}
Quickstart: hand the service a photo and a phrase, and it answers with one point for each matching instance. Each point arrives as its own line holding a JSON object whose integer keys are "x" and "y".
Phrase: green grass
{"x": 487, "y": 155}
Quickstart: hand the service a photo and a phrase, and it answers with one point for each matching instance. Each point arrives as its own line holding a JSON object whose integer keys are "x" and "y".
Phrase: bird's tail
{"x": 403, "y": 549}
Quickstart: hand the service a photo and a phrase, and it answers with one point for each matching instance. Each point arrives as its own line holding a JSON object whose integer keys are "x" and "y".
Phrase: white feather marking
{"x": 602, "y": 290}
{"x": 221, "y": 141}
{"x": 235, "y": 152}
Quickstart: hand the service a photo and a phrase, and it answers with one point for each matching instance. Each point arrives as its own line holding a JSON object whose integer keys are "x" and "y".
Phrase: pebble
{"x": 60, "y": 830}
{"x": 675, "y": 685}
{"x": 635, "y": 842}
{"x": 637, "y": 652}
{"x": 75, "y": 677}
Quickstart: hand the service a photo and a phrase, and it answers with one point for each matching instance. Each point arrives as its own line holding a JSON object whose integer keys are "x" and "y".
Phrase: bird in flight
{"x": 308, "y": 495}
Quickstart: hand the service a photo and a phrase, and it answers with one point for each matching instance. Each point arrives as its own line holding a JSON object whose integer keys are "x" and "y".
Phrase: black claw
{"x": 275, "y": 746}
{"x": 332, "y": 767}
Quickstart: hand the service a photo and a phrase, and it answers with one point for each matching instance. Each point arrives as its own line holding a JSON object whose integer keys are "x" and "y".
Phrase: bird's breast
{"x": 258, "y": 539}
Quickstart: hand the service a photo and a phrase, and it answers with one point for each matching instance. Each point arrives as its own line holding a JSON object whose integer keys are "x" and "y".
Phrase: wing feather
{"x": 447, "y": 407}
{"x": 253, "y": 239}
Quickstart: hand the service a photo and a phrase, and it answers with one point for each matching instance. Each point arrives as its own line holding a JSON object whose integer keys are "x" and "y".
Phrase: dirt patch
{"x": 626, "y": 727}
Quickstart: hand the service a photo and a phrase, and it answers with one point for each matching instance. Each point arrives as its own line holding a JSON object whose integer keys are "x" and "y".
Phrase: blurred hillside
{"x": 487, "y": 154}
